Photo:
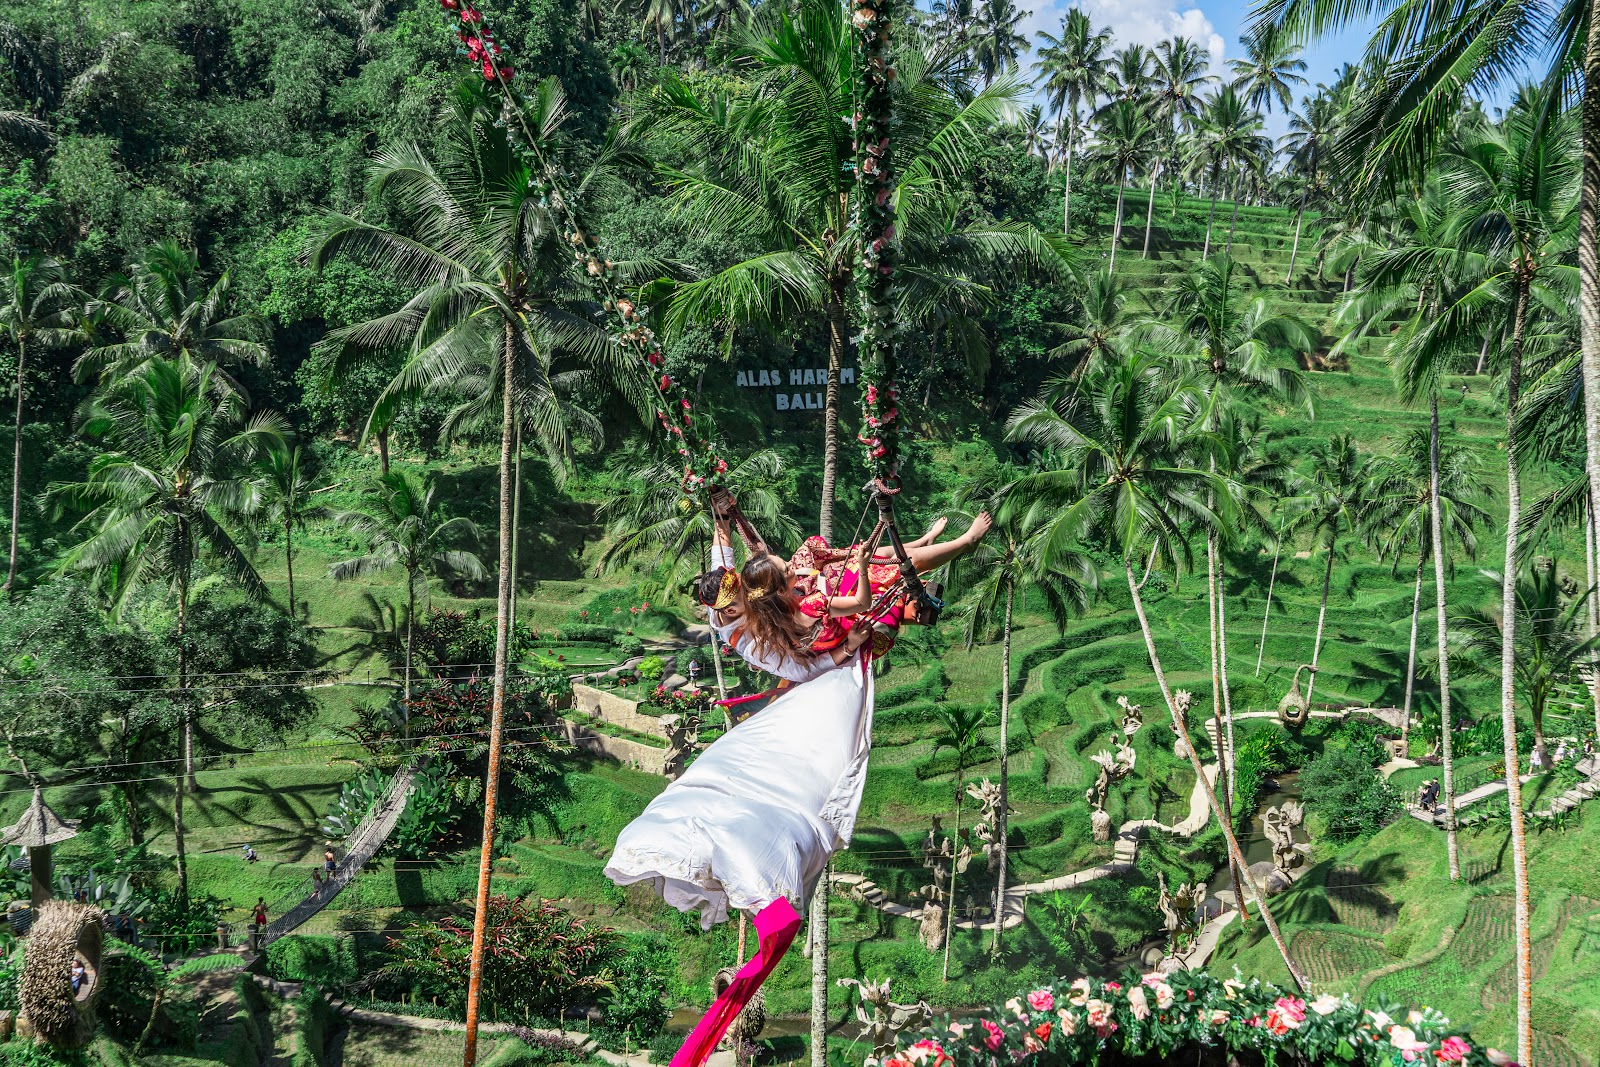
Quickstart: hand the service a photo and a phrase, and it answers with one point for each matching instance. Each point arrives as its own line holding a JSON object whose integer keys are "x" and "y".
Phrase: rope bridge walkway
{"x": 362, "y": 845}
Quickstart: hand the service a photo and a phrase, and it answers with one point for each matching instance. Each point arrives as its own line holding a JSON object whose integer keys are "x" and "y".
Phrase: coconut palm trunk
{"x": 411, "y": 616}
{"x": 1222, "y": 654}
{"x": 288, "y": 559}
{"x": 1589, "y": 269}
{"x": 1150, "y": 209}
{"x": 502, "y": 650}
{"x": 1266, "y": 613}
{"x": 1001, "y": 830}
{"x": 1447, "y": 785}
{"x": 16, "y": 464}
{"x": 1322, "y": 612}
{"x": 184, "y": 782}
{"x": 1594, "y": 611}
{"x": 1234, "y": 852}
{"x": 950, "y": 895}
{"x": 1116, "y": 228}
{"x": 1411, "y": 658}
{"x": 1066, "y": 196}
{"x": 1508, "y": 660}
{"x": 1233, "y": 222}
{"x": 1224, "y": 781}
{"x": 817, "y": 935}
{"x": 1299, "y": 220}
{"x": 1211, "y": 217}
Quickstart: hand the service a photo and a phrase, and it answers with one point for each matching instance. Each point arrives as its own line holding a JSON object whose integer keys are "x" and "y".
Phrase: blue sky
{"x": 1217, "y": 24}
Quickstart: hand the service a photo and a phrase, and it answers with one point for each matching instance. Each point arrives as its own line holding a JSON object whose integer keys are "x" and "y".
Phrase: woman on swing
{"x": 752, "y": 823}
{"x": 795, "y": 618}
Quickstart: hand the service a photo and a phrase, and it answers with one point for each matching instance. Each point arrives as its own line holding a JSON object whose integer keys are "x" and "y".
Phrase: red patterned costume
{"x": 822, "y": 572}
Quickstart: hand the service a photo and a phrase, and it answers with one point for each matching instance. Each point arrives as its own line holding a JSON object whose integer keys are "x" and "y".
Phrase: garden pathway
{"x": 1123, "y": 853}
{"x": 1589, "y": 767}
{"x": 360, "y": 847}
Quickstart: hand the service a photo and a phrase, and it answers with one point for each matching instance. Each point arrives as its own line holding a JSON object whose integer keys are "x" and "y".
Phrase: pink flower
{"x": 471, "y": 15}
{"x": 1292, "y": 1010}
{"x": 995, "y": 1037}
{"x": 1113, "y": 986}
{"x": 1405, "y": 1040}
{"x": 1041, "y": 1000}
{"x": 1099, "y": 1013}
{"x": 1452, "y": 1050}
{"x": 1139, "y": 1003}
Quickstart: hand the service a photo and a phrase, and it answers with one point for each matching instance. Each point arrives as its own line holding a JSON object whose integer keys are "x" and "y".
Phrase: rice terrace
{"x": 799, "y": 532}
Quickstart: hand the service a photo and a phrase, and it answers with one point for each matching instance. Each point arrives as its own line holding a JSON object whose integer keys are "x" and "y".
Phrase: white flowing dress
{"x": 759, "y": 813}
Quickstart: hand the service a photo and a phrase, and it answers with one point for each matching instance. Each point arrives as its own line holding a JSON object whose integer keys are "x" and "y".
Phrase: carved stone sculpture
{"x": 1182, "y": 700}
{"x": 1114, "y": 766}
{"x": 986, "y": 829}
{"x": 749, "y": 1023}
{"x": 944, "y": 861}
{"x": 1178, "y": 908}
{"x": 882, "y": 1020}
{"x": 1132, "y": 716}
{"x": 683, "y": 734}
{"x": 1294, "y": 709}
{"x": 1278, "y": 824}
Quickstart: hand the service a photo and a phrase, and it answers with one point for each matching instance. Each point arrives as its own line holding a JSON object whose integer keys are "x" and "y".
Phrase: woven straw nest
{"x": 62, "y": 932}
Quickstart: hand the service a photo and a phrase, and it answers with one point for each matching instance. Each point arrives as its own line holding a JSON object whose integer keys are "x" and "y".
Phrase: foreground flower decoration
{"x": 1161, "y": 1012}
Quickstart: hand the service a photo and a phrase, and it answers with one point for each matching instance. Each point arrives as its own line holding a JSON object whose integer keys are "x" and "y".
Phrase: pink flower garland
{"x": 1071, "y": 1024}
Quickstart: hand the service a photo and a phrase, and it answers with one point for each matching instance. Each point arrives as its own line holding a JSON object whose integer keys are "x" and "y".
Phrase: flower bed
{"x": 1156, "y": 1017}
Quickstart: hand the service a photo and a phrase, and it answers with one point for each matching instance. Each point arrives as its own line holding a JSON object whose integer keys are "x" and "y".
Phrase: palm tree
{"x": 1552, "y": 645}
{"x": 963, "y": 734}
{"x": 164, "y": 308}
{"x": 996, "y": 43}
{"x": 403, "y": 526}
{"x": 1270, "y": 69}
{"x": 775, "y": 167}
{"x": 1180, "y": 74}
{"x": 1228, "y": 142}
{"x": 288, "y": 481}
{"x": 1330, "y": 506}
{"x": 1074, "y": 68}
{"x": 1399, "y": 515}
{"x": 1126, "y": 140}
{"x": 1131, "y": 73}
{"x": 1310, "y": 130}
{"x": 1114, "y": 470}
{"x": 165, "y": 490}
{"x": 994, "y": 573}
{"x": 31, "y": 304}
{"x": 1104, "y": 328}
{"x": 647, "y": 518}
{"x": 1035, "y": 132}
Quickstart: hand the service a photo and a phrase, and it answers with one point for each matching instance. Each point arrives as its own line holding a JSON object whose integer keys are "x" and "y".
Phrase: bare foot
{"x": 935, "y": 530}
{"x": 980, "y": 526}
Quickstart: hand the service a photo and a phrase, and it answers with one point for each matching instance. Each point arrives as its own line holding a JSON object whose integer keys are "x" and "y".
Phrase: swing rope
{"x": 875, "y": 270}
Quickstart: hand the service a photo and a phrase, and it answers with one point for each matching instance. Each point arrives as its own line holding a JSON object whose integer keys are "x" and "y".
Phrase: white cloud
{"x": 1143, "y": 22}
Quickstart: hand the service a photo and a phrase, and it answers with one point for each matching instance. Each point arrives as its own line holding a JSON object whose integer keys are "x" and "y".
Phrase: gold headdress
{"x": 728, "y": 591}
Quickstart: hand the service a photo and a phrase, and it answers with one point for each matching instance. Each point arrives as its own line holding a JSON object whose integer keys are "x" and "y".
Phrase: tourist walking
{"x": 260, "y": 916}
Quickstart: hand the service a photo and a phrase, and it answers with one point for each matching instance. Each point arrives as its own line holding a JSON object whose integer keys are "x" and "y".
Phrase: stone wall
{"x": 614, "y": 710}
{"x": 628, "y": 752}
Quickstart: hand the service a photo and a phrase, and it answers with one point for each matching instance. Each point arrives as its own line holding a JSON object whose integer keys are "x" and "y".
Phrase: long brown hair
{"x": 771, "y": 612}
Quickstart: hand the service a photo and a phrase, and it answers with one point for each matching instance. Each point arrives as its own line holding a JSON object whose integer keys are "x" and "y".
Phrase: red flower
{"x": 1042, "y": 1031}
{"x": 471, "y": 15}
{"x": 449, "y": 5}
{"x": 666, "y": 382}
{"x": 488, "y": 69}
{"x": 505, "y": 72}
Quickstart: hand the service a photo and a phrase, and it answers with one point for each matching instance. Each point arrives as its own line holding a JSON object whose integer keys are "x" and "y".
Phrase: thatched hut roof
{"x": 39, "y": 826}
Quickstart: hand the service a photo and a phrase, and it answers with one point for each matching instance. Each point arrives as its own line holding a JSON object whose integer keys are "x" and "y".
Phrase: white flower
{"x": 1380, "y": 1020}
{"x": 1163, "y": 994}
{"x": 1231, "y": 988}
{"x": 1325, "y": 1004}
{"x": 1402, "y": 1038}
{"x": 1140, "y": 1005}
{"x": 1069, "y": 1022}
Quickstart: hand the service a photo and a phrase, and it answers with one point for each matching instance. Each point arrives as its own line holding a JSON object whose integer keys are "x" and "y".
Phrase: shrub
{"x": 652, "y": 668}
{"x": 627, "y": 645}
{"x": 183, "y": 927}
{"x": 429, "y": 816}
{"x": 588, "y": 633}
{"x": 323, "y": 961}
{"x": 539, "y": 959}
{"x": 637, "y": 1004}
{"x": 1342, "y": 789}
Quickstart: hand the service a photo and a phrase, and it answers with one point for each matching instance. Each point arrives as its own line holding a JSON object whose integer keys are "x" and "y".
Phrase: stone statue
{"x": 1114, "y": 766}
{"x": 1132, "y": 716}
{"x": 882, "y": 1020}
{"x": 1178, "y": 908}
{"x": 986, "y": 829}
{"x": 1294, "y": 709}
{"x": 749, "y": 1023}
{"x": 683, "y": 734}
{"x": 1279, "y": 825}
{"x": 1183, "y": 700}
{"x": 944, "y": 860}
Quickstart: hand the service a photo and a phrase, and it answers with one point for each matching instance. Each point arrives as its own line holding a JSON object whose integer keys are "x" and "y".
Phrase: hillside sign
{"x": 798, "y": 389}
